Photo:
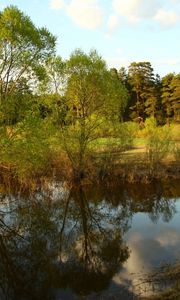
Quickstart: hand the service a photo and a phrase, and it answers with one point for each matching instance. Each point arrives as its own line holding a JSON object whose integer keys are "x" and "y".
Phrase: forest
{"x": 77, "y": 118}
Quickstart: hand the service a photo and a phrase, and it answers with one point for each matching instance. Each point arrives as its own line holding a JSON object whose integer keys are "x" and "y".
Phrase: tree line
{"x": 149, "y": 94}
{"x": 30, "y": 68}
{"x": 47, "y": 103}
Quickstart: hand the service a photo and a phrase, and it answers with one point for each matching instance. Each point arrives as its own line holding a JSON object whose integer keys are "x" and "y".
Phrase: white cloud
{"x": 136, "y": 9}
{"x": 57, "y": 4}
{"x": 112, "y": 23}
{"x": 166, "y": 18}
{"x": 85, "y": 13}
{"x": 164, "y": 12}
{"x": 90, "y": 14}
{"x": 170, "y": 237}
{"x": 128, "y": 9}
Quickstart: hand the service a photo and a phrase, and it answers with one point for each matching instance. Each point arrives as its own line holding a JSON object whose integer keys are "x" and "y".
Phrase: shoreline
{"x": 121, "y": 173}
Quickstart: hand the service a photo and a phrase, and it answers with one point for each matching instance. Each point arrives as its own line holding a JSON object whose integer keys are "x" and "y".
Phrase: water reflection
{"x": 60, "y": 244}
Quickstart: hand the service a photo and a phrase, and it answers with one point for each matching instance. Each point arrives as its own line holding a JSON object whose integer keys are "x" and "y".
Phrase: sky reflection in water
{"x": 87, "y": 242}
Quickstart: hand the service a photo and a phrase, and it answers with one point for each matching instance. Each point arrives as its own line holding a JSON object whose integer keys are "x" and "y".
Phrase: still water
{"x": 87, "y": 243}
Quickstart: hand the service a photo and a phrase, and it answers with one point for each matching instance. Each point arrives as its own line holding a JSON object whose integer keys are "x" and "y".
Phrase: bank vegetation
{"x": 75, "y": 119}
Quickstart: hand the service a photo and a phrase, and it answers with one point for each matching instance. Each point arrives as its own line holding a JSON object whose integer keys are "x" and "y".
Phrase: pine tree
{"x": 175, "y": 96}
{"x": 141, "y": 81}
{"x": 167, "y": 91}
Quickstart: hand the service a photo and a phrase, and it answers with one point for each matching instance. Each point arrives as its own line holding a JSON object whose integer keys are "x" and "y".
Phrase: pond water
{"x": 87, "y": 243}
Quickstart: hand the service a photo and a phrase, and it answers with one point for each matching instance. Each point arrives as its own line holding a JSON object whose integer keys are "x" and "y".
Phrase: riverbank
{"x": 143, "y": 156}
{"x": 133, "y": 171}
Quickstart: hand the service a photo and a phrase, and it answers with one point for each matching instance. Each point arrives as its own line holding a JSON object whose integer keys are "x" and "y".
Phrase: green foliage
{"x": 176, "y": 151}
{"x": 175, "y": 96}
{"x": 141, "y": 81}
{"x": 54, "y": 81}
{"x": 92, "y": 94}
{"x": 125, "y": 133}
{"x": 158, "y": 141}
{"x": 23, "y": 51}
{"x": 166, "y": 95}
{"x": 171, "y": 96}
{"x": 76, "y": 107}
{"x": 25, "y": 148}
{"x": 15, "y": 108}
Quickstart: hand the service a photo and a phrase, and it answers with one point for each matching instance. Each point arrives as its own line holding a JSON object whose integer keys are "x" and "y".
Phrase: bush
{"x": 158, "y": 143}
{"x": 177, "y": 152}
{"x": 25, "y": 148}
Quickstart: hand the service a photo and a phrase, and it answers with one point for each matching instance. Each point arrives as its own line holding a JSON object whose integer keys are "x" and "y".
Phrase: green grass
{"x": 102, "y": 144}
{"x": 140, "y": 142}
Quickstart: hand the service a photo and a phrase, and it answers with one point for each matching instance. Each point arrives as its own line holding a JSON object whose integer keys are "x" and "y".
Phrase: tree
{"x": 51, "y": 90}
{"x": 23, "y": 52}
{"x": 93, "y": 95}
{"x": 141, "y": 81}
{"x": 175, "y": 96}
{"x": 153, "y": 103}
{"x": 171, "y": 96}
{"x": 123, "y": 76}
{"x": 54, "y": 80}
{"x": 158, "y": 144}
{"x": 166, "y": 95}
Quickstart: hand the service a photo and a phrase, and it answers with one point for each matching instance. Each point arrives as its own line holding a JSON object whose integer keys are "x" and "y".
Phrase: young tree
{"x": 94, "y": 96}
{"x": 158, "y": 144}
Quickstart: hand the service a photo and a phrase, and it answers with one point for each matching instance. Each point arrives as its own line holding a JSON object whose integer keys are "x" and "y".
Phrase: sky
{"x": 122, "y": 31}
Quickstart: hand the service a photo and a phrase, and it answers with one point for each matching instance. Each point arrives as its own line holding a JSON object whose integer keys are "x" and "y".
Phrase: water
{"x": 88, "y": 243}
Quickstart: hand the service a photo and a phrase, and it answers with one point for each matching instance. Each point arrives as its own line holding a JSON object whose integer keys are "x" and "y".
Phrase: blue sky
{"x": 122, "y": 31}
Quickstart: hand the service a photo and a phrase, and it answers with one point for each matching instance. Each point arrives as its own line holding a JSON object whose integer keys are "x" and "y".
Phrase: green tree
{"x": 175, "y": 96}
{"x": 167, "y": 91}
{"x": 141, "y": 81}
{"x": 153, "y": 102}
{"x": 23, "y": 52}
{"x": 25, "y": 149}
{"x": 94, "y": 96}
{"x": 51, "y": 101}
{"x": 158, "y": 144}
{"x": 55, "y": 79}
{"x": 123, "y": 76}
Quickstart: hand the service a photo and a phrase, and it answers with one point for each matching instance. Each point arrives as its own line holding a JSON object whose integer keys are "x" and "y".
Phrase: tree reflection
{"x": 97, "y": 249}
{"x": 70, "y": 243}
{"x": 156, "y": 199}
{"x": 75, "y": 242}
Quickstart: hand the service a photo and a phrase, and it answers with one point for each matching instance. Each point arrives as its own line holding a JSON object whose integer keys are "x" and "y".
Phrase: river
{"x": 87, "y": 243}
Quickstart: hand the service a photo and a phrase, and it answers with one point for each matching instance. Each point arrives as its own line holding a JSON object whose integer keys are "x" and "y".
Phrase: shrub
{"x": 177, "y": 152}
{"x": 158, "y": 143}
{"x": 25, "y": 148}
